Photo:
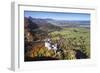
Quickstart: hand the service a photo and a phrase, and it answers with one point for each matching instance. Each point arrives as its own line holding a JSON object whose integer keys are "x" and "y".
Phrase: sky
{"x": 57, "y": 15}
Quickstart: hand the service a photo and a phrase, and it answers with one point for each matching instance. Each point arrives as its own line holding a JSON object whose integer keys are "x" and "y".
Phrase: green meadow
{"x": 73, "y": 40}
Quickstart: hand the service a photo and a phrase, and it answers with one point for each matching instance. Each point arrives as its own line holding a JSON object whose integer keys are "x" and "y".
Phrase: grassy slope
{"x": 76, "y": 33}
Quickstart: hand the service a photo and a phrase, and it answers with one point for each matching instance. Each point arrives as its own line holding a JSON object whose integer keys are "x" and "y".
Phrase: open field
{"x": 73, "y": 39}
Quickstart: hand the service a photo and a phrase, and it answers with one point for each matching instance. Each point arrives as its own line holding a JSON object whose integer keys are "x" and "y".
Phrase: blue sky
{"x": 57, "y": 15}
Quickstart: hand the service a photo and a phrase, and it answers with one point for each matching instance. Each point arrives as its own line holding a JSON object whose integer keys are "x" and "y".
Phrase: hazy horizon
{"x": 58, "y": 15}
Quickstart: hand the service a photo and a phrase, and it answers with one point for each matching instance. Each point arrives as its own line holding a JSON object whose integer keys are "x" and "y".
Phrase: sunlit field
{"x": 73, "y": 39}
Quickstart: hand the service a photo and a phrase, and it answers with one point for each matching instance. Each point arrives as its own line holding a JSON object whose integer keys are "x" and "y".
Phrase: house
{"x": 48, "y": 44}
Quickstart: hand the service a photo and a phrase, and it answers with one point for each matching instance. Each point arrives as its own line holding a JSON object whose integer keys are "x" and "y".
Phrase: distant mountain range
{"x": 39, "y": 25}
{"x": 52, "y": 24}
{"x": 69, "y": 23}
